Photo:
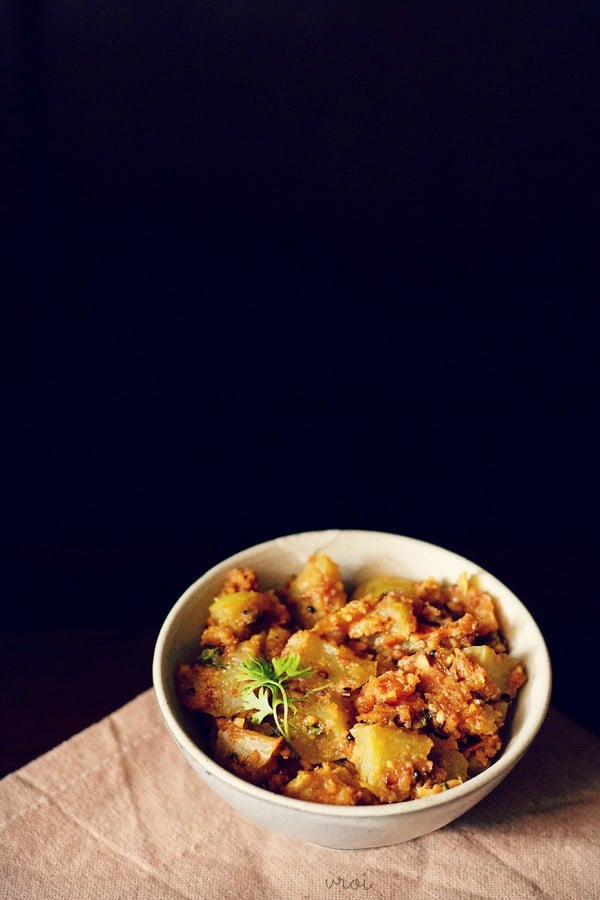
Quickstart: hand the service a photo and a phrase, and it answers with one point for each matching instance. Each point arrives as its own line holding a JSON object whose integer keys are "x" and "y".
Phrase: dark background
{"x": 282, "y": 267}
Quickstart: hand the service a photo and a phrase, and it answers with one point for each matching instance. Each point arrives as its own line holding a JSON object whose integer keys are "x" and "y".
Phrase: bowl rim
{"x": 484, "y": 781}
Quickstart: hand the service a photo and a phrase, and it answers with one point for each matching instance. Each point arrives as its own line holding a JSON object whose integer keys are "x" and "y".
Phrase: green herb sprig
{"x": 266, "y": 691}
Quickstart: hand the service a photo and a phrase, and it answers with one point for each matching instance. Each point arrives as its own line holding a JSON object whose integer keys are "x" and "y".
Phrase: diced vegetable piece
{"x": 385, "y": 758}
{"x": 505, "y": 672}
{"x": 275, "y": 640}
{"x": 376, "y": 744}
{"x": 316, "y": 591}
{"x": 241, "y": 611}
{"x": 455, "y": 765}
{"x": 227, "y": 609}
{"x": 446, "y": 754}
{"x": 215, "y": 689}
{"x": 336, "y": 665}
{"x": 249, "y": 754}
{"x": 328, "y": 784}
{"x": 393, "y": 618}
{"x": 382, "y": 584}
{"x": 319, "y": 727}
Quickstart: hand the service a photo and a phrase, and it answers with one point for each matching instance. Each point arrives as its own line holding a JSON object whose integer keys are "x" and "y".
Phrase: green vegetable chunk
{"x": 383, "y": 584}
{"x": 385, "y": 758}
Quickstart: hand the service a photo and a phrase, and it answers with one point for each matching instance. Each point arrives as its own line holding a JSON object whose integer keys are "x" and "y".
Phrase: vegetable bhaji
{"x": 396, "y": 692}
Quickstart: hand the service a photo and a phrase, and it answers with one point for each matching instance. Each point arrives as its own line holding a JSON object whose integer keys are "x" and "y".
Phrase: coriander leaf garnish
{"x": 265, "y": 690}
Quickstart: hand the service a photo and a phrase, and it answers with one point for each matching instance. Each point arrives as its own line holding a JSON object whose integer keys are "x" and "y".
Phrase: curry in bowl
{"x": 394, "y": 690}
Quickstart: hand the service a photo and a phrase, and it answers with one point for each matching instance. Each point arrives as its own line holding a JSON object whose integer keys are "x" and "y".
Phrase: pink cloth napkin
{"x": 116, "y": 812}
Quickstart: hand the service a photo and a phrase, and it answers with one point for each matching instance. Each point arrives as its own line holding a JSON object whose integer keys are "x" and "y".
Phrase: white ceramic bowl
{"x": 359, "y": 554}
